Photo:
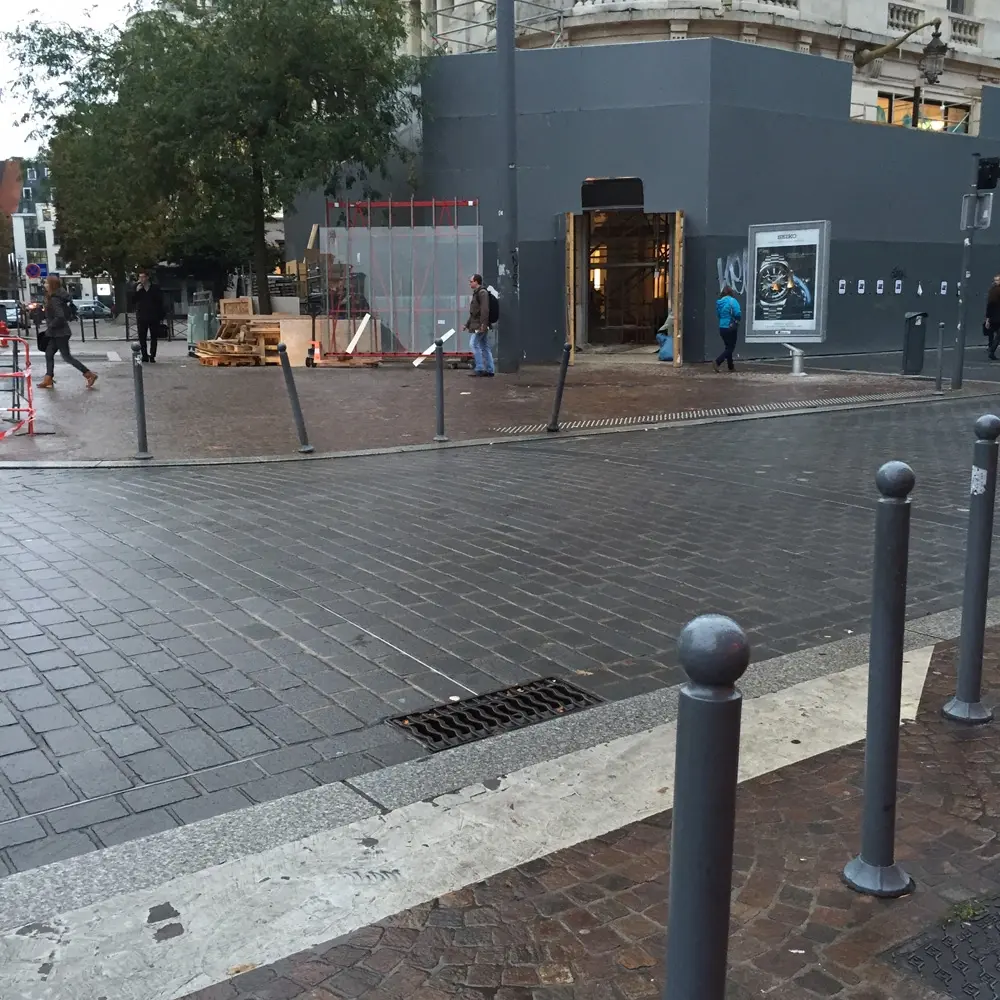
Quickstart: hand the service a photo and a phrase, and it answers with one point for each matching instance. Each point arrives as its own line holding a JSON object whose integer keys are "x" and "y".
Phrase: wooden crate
{"x": 235, "y": 307}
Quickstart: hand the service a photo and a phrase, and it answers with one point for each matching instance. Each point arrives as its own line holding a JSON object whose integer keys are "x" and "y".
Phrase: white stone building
{"x": 835, "y": 29}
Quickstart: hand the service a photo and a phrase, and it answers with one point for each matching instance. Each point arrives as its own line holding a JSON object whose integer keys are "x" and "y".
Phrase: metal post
{"x": 439, "y": 434}
{"x": 509, "y": 345}
{"x": 714, "y": 653}
{"x": 557, "y": 405}
{"x": 128, "y": 333}
{"x": 938, "y": 391}
{"x": 140, "y": 404}
{"x": 918, "y": 96}
{"x": 293, "y": 397}
{"x": 966, "y": 706}
{"x": 83, "y": 331}
{"x": 874, "y": 872}
{"x": 95, "y": 326}
{"x": 964, "y": 285}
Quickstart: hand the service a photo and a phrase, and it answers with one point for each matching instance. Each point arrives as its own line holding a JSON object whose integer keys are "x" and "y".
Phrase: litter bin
{"x": 914, "y": 341}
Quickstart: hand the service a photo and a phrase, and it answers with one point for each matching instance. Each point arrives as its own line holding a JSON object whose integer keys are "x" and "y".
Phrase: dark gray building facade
{"x": 730, "y": 134}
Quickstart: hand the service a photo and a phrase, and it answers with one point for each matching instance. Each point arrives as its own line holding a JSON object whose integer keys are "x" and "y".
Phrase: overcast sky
{"x": 14, "y": 139}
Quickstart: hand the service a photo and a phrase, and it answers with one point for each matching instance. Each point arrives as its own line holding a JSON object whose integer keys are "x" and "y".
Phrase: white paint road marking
{"x": 357, "y": 336}
{"x": 258, "y": 909}
{"x": 430, "y": 350}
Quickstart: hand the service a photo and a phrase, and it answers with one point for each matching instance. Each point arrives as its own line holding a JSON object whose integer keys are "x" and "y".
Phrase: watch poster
{"x": 789, "y": 287}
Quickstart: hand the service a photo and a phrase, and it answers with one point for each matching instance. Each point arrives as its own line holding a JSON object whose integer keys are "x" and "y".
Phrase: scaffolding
{"x": 470, "y": 25}
{"x": 407, "y": 264}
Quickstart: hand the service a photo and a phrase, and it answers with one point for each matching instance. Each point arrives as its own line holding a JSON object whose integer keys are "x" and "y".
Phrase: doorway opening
{"x": 627, "y": 285}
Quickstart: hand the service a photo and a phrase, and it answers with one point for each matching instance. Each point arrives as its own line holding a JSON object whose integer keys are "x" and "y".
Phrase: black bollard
{"x": 938, "y": 391}
{"x": 293, "y": 397}
{"x": 439, "y": 434}
{"x": 967, "y": 706}
{"x": 95, "y": 325}
{"x": 714, "y": 653}
{"x": 140, "y": 404}
{"x": 563, "y": 369}
{"x": 128, "y": 333}
{"x": 874, "y": 872}
{"x": 83, "y": 331}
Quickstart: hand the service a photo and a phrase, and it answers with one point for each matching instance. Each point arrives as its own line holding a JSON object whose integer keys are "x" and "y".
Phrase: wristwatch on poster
{"x": 774, "y": 281}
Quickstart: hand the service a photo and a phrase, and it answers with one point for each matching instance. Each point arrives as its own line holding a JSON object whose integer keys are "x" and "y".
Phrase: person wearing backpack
{"x": 59, "y": 314}
{"x": 728, "y": 310}
{"x": 484, "y": 311}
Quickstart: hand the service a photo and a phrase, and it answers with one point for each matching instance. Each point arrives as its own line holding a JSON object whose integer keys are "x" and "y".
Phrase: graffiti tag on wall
{"x": 732, "y": 271}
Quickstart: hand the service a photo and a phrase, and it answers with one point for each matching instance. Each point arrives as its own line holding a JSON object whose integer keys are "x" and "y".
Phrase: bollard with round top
{"x": 714, "y": 652}
{"x": 293, "y": 397}
{"x": 874, "y": 872}
{"x": 967, "y": 705}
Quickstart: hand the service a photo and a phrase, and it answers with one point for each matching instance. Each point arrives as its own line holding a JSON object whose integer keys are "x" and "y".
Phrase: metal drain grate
{"x": 485, "y": 715}
{"x": 961, "y": 958}
{"x": 725, "y": 411}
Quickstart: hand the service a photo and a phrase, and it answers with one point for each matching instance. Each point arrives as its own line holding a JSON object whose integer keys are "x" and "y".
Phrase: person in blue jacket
{"x": 730, "y": 314}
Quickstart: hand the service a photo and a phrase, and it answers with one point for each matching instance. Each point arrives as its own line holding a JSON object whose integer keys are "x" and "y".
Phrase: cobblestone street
{"x": 179, "y": 643}
{"x": 195, "y": 412}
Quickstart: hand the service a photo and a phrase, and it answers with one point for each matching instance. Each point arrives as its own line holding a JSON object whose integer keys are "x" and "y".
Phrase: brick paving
{"x": 588, "y": 923}
{"x": 198, "y": 412}
{"x": 178, "y": 643}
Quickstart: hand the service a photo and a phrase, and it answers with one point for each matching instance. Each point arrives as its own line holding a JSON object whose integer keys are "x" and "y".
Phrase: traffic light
{"x": 989, "y": 173}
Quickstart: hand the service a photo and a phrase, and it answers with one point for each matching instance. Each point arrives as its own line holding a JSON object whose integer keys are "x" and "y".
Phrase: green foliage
{"x": 214, "y": 115}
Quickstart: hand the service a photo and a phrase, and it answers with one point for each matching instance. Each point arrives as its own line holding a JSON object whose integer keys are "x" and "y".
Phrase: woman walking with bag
{"x": 729, "y": 313}
{"x": 59, "y": 310}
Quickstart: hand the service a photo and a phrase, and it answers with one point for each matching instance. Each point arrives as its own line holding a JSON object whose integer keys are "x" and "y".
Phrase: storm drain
{"x": 461, "y": 722}
{"x": 960, "y": 958}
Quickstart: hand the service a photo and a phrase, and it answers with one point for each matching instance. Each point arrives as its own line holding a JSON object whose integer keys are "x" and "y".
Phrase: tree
{"x": 235, "y": 103}
{"x": 106, "y": 219}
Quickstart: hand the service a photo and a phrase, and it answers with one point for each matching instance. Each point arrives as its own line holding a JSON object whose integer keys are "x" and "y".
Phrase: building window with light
{"x": 935, "y": 116}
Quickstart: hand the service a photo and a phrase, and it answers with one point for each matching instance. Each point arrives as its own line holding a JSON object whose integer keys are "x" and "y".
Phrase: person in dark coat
{"x": 991, "y": 325}
{"x": 59, "y": 310}
{"x": 150, "y": 311}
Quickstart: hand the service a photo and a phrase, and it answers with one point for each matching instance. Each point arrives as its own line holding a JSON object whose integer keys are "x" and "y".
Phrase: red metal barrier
{"x": 21, "y": 393}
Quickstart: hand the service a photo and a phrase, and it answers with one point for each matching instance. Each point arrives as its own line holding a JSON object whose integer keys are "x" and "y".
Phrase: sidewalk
{"x": 588, "y": 923}
{"x": 196, "y": 412}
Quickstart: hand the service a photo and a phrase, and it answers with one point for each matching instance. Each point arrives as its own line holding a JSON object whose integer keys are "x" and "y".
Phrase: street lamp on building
{"x": 931, "y": 62}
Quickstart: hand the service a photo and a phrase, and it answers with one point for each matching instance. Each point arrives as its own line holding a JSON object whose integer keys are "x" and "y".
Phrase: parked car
{"x": 88, "y": 308}
{"x": 13, "y": 317}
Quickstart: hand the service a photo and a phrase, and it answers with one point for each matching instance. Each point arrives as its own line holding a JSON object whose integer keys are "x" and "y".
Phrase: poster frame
{"x": 770, "y": 331}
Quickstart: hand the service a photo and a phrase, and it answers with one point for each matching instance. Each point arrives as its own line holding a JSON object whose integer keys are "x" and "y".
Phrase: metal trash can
{"x": 914, "y": 341}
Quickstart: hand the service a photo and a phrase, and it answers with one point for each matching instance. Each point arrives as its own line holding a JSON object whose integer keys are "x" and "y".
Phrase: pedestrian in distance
{"x": 150, "y": 312}
{"x": 482, "y": 315}
{"x": 728, "y": 310}
{"x": 59, "y": 314}
{"x": 991, "y": 324}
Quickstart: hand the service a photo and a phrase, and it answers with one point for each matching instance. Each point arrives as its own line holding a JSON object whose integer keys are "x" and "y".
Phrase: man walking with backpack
{"x": 484, "y": 311}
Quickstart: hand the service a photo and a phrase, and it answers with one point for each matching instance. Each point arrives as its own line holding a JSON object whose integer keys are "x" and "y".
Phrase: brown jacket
{"x": 479, "y": 311}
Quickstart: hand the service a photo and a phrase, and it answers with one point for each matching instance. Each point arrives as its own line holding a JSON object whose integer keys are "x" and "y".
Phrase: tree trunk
{"x": 120, "y": 279}
{"x": 261, "y": 269}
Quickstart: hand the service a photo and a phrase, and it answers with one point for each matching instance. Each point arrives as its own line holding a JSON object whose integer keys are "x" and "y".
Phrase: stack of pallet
{"x": 235, "y": 343}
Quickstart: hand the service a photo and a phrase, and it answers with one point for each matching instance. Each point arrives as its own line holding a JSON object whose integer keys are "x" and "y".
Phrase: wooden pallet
{"x": 229, "y": 361}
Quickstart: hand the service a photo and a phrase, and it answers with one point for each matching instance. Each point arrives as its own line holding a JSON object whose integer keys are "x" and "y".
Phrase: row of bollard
{"x": 142, "y": 451}
{"x": 714, "y": 653}
{"x": 439, "y": 432}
